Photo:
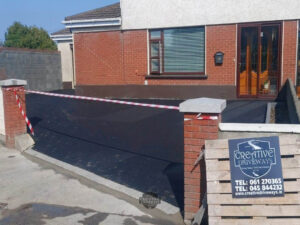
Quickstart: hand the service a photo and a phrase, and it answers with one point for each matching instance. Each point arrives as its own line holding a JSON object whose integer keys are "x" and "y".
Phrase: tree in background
{"x": 22, "y": 36}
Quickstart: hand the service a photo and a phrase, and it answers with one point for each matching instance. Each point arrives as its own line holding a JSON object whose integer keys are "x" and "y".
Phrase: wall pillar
{"x": 196, "y": 131}
{"x": 12, "y": 122}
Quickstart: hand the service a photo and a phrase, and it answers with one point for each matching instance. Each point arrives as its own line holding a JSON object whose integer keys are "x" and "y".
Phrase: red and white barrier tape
{"x": 199, "y": 117}
{"x": 104, "y": 100}
{"x": 24, "y": 114}
{"x": 208, "y": 118}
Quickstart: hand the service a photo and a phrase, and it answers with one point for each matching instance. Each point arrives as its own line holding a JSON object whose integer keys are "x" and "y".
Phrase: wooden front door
{"x": 259, "y": 60}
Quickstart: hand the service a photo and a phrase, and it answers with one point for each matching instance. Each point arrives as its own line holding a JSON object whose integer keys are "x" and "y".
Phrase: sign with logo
{"x": 255, "y": 165}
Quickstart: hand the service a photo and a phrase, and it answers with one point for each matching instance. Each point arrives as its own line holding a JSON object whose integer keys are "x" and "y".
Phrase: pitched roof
{"x": 62, "y": 32}
{"x": 110, "y": 11}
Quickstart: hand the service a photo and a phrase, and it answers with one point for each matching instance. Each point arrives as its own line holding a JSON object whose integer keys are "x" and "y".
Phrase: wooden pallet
{"x": 224, "y": 210}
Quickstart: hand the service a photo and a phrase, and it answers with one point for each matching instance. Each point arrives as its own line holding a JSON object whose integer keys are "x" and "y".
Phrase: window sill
{"x": 196, "y": 77}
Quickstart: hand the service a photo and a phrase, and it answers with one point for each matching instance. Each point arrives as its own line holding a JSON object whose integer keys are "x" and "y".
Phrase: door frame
{"x": 259, "y": 25}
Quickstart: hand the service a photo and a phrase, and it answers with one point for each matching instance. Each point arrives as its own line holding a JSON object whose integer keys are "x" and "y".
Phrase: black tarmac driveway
{"x": 141, "y": 148}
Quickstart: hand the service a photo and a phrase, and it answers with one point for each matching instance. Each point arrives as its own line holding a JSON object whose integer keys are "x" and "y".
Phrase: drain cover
{"x": 2, "y": 205}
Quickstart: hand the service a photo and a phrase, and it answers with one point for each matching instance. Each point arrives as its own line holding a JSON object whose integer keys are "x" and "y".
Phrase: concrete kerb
{"x": 23, "y": 142}
{"x": 163, "y": 206}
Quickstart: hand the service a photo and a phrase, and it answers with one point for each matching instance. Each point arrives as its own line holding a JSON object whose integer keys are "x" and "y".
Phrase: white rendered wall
{"x": 139, "y": 14}
{"x": 66, "y": 61}
{"x": 2, "y": 124}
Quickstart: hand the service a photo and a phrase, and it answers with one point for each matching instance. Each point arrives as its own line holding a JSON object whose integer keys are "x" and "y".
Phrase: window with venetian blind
{"x": 177, "y": 51}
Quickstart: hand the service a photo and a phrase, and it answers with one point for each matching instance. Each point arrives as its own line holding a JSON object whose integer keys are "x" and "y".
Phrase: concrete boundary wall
{"x": 2, "y": 123}
{"x": 237, "y": 135}
{"x": 259, "y": 128}
{"x": 289, "y": 96}
{"x": 41, "y": 69}
{"x": 292, "y": 102}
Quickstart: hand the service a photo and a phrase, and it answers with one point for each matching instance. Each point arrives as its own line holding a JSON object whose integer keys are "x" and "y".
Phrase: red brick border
{"x": 14, "y": 121}
{"x": 195, "y": 133}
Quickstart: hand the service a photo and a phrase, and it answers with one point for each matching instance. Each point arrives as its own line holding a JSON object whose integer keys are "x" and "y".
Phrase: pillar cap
{"x": 13, "y": 82}
{"x": 203, "y": 105}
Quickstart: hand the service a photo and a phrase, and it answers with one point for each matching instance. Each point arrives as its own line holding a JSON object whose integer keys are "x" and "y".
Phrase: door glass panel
{"x": 248, "y": 61}
{"x": 268, "y": 78}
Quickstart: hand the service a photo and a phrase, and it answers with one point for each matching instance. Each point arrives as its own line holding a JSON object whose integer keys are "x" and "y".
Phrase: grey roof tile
{"x": 110, "y": 11}
{"x": 62, "y": 32}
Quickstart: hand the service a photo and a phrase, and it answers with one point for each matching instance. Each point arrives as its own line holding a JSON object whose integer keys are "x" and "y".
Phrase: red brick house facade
{"x": 125, "y": 58}
{"x": 187, "y": 49}
{"x": 258, "y": 56}
{"x": 121, "y": 57}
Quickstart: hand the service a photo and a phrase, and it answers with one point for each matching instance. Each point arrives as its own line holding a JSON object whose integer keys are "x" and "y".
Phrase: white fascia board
{"x": 91, "y": 20}
{"x": 260, "y": 127}
{"x": 62, "y": 37}
{"x": 93, "y": 23}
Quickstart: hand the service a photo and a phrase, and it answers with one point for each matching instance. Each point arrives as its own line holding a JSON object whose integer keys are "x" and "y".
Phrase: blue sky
{"x": 47, "y": 14}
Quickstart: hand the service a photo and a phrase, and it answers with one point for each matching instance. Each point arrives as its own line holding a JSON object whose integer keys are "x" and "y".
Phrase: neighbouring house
{"x": 95, "y": 20}
{"x": 64, "y": 40}
{"x": 186, "y": 48}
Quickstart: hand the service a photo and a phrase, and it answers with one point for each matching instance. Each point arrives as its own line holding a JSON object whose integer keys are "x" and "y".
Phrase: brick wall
{"x": 221, "y": 38}
{"x": 112, "y": 57}
{"x": 195, "y": 134}
{"x": 98, "y": 58}
{"x": 289, "y": 51}
{"x": 135, "y": 56}
{"x": 218, "y": 38}
{"x": 116, "y": 57}
{"x": 14, "y": 121}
